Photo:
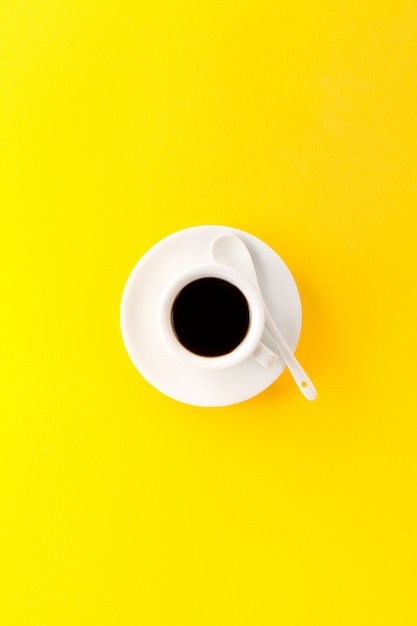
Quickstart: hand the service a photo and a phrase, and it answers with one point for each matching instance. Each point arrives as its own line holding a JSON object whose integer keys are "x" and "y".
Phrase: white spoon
{"x": 230, "y": 250}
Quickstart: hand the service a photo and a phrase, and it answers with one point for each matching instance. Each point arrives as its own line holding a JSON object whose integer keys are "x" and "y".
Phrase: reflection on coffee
{"x": 210, "y": 317}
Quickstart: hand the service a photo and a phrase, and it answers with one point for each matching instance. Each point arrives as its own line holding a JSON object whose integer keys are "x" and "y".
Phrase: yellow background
{"x": 121, "y": 122}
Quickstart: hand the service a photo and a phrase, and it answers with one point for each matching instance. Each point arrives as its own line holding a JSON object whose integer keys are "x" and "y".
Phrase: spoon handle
{"x": 304, "y": 383}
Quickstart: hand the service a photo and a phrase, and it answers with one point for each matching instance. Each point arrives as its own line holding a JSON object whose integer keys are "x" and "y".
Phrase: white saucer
{"x": 139, "y": 320}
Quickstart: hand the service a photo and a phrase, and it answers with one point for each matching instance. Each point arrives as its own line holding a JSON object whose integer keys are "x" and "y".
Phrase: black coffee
{"x": 210, "y": 317}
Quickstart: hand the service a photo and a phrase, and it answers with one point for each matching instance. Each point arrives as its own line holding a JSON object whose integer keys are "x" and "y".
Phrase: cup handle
{"x": 264, "y": 355}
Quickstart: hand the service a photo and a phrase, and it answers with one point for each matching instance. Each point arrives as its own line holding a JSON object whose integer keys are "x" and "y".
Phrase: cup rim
{"x": 256, "y": 311}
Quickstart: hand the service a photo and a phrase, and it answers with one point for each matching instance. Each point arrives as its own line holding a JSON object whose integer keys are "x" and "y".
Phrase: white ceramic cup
{"x": 251, "y": 344}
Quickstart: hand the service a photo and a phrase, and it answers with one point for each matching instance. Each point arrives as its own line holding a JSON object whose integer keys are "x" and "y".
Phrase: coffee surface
{"x": 210, "y": 317}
